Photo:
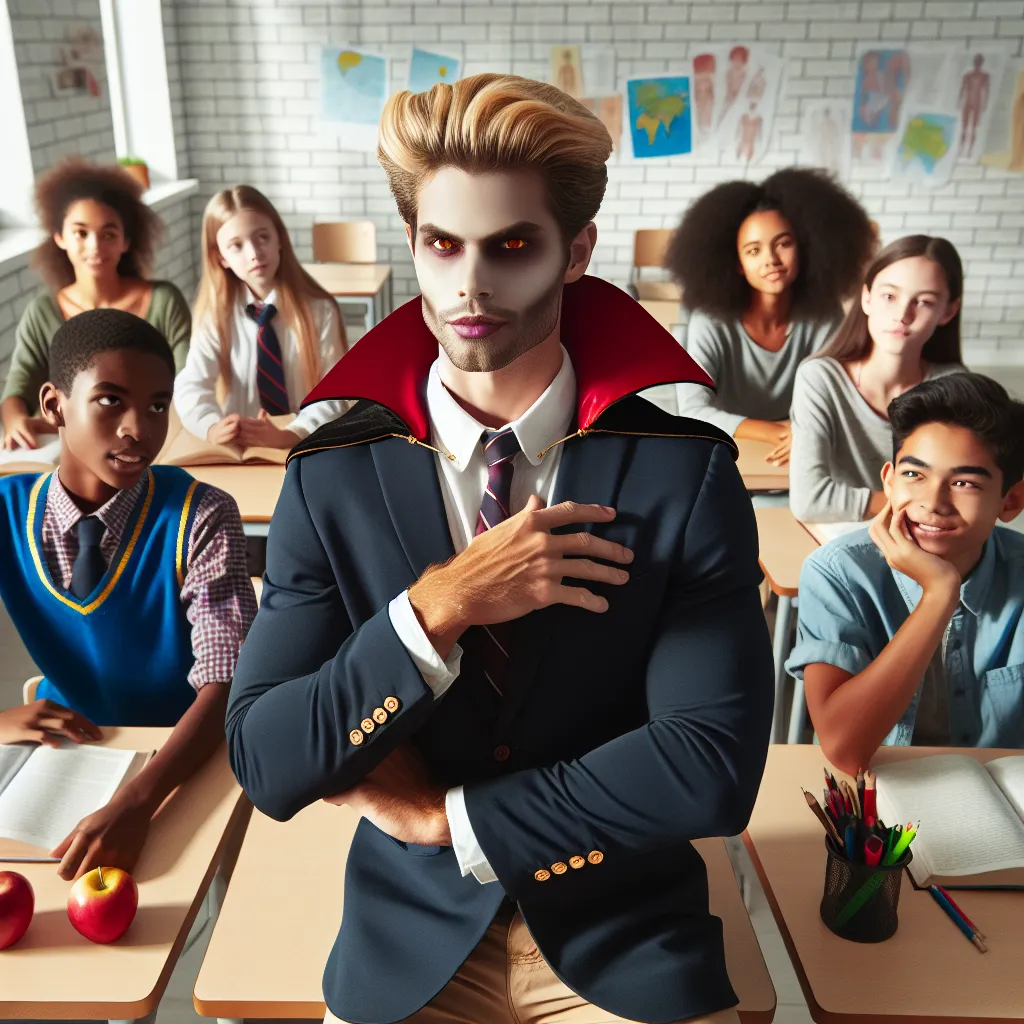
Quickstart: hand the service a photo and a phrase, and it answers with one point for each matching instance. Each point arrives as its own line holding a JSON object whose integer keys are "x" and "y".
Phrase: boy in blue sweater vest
{"x": 126, "y": 581}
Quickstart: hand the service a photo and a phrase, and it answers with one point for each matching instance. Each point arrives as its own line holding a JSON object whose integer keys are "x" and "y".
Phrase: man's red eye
{"x": 443, "y": 244}
{"x": 515, "y": 243}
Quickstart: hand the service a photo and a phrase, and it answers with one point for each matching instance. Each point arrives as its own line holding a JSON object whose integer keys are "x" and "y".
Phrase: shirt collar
{"x": 544, "y": 423}
{"x": 114, "y": 514}
{"x": 973, "y": 590}
{"x": 249, "y": 298}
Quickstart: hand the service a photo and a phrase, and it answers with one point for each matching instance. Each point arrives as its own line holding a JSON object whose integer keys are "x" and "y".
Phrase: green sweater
{"x": 30, "y": 363}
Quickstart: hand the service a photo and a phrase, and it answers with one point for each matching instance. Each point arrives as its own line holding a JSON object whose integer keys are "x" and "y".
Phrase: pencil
{"x": 820, "y": 815}
{"x": 957, "y": 919}
{"x": 860, "y": 790}
{"x": 977, "y": 930}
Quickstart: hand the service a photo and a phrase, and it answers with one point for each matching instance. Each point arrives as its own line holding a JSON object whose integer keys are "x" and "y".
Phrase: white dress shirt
{"x": 463, "y": 481}
{"x": 195, "y": 389}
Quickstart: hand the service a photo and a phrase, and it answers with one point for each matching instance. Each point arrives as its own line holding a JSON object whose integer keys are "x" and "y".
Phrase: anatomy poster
{"x": 1004, "y": 147}
{"x": 745, "y": 130}
{"x": 708, "y": 70}
{"x": 883, "y": 76}
{"x": 567, "y": 70}
{"x": 826, "y": 136}
{"x": 609, "y": 110}
{"x": 977, "y": 81}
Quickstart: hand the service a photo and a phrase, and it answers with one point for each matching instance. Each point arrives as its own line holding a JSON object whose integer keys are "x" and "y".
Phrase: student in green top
{"x": 99, "y": 249}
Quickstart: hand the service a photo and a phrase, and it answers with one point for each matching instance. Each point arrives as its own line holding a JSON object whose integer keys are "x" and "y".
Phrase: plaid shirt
{"x": 217, "y": 594}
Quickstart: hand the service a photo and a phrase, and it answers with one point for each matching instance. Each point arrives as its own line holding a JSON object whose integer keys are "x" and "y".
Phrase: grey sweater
{"x": 840, "y": 443}
{"x": 752, "y": 383}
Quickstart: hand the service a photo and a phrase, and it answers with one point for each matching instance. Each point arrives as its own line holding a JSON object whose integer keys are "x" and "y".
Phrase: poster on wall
{"x": 1004, "y": 144}
{"x": 732, "y": 73}
{"x": 826, "y": 136}
{"x": 745, "y": 130}
{"x": 609, "y": 110}
{"x": 927, "y": 147}
{"x": 428, "y": 68}
{"x": 567, "y": 70}
{"x": 878, "y": 93}
{"x": 598, "y": 64}
{"x": 978, "y": 80}
{"x": 76, "y": 62}
{"x": 708, "y": 72}
{"x": 354, "y": 90}
{"x": 659, "y": 111}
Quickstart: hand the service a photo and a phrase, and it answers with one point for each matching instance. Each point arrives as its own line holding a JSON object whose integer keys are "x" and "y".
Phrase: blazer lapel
{"x": 408, "y": 480}
{"x": 590, "y": 472}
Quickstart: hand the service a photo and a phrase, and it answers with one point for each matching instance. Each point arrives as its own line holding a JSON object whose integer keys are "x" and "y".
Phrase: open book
{"x": 32, "y": 460}
{"x": 971, "y": 814}
{"x": 46, "y": 791}
{"x": 185, "y": 449}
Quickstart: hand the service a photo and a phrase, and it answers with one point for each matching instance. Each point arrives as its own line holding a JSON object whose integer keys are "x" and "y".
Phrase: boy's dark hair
{"x": 965, "y": 400}
{"x": 81, "y": 339}
{"x": 834, "y": 237}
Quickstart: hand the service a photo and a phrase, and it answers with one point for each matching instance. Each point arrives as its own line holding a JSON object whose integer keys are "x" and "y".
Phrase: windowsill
{"x": 17, "y": 243}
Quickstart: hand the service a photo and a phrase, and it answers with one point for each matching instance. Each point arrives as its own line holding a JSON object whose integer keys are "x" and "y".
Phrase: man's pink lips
{"x": 478, "y": 326}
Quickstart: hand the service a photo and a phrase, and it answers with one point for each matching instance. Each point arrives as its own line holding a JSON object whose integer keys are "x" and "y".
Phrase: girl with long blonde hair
{"x": 263, "y": 328}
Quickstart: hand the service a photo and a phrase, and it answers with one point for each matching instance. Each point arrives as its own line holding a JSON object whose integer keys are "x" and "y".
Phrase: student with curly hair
{"x": 764, "y": 269}
{"x": 97, "y": 253}
{"x": 904, "y": 330}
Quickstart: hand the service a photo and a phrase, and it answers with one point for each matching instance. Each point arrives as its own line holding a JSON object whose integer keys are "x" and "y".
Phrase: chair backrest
{"x": 352, "y": 241}
{"x": 650, "y": 246}
{"x": 28, "y": 691}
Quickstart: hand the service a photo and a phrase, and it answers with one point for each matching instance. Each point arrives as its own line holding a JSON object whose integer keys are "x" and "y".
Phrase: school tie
{"x": 90, "y": 565}
{"x": 269, "y": 369}
{"x": 492, "y": 642}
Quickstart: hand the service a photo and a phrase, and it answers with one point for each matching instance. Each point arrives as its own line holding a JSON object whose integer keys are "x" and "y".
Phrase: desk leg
{"x": 797, "y": 714}
{"x": 389, "y": 295}
{"x": 783, "y": 620}
{"x": 150, "y": 1018}
{"x": 371, "y": 309}
{"x": 230, "y": 1020}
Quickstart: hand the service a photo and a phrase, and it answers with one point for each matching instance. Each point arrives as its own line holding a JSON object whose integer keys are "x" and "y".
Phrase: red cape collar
{"x": 617, "y": 349}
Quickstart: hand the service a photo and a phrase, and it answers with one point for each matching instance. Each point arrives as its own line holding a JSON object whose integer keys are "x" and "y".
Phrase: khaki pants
{"x": 507, "y": 981}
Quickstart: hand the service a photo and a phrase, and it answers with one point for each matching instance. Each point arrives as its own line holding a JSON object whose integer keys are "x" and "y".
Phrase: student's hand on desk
{"x": 225, "y": 431}
{"x": 24, "y": 431}
{"x": 45, "y": 722}
{"x": 261, "y": 432}
{"x": 111, "y": 837}
{"x": 516, "y": 568}
{"x": 779, "y": 455}
{"x": 892, "y": 537}
{"x": 399, "y": 798}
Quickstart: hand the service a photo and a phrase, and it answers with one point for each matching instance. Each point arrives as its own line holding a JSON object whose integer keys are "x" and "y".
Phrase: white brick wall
{"x": 248, "y": 74}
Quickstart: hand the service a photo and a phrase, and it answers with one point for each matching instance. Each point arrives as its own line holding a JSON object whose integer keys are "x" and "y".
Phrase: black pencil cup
{"x": 860, "y": 902}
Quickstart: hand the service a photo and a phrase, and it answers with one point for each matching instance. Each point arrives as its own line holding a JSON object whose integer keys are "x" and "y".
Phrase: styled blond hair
{"x": 497, "y": 122}
{"x": 219, "y": 288}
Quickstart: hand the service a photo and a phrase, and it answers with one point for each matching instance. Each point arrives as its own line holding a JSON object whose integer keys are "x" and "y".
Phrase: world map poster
{"x": 660, "y": 116}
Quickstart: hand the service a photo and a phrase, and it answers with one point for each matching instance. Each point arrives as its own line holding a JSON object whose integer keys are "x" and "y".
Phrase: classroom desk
{"x": 783, "y": 544}
{"x": 55, "y": 973}
{"x": 368, "y": 282}
{"x": 927, "y": 971}
{"x": 256, "y": 487}
{"x": 267, "y": 953}
{"x": 757, "y": 474}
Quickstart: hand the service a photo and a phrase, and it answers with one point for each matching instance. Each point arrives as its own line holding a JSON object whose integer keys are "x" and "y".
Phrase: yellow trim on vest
{"x": 112, "y": 582}
{"x": 179, "y": 561}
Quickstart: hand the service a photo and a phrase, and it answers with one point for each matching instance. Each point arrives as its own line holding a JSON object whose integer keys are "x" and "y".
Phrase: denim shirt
{"x": 851, "y": 604}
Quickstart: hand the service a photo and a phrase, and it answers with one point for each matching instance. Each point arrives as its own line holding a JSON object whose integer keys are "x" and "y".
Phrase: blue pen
{"x": 851, "y": 842}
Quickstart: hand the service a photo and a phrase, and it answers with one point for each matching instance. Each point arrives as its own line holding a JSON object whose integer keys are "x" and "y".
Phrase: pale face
{"x": 906, "y": 302}
{"x": 93, "y": 237}
{"x": 250, "y": 248}
{"x": 491, "y": 263}
{"x": 952, "y": 489}
{"x": 768, "y": 252}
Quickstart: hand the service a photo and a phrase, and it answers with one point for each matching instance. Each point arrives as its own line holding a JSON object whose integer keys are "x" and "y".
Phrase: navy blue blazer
{"x": 628, "y": 733}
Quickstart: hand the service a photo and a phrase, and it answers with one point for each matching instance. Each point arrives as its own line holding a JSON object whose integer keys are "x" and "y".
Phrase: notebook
{"x": 185, "y": 449}
{"x": 971, "y": 814}
{"x": 32, "y": 460}
{"x": 46, "y": 791}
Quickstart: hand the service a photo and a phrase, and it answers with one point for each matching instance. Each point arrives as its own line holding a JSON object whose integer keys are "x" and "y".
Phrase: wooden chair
{"x": 649, "y": 248}
{"x": 28, "y": 691}
{"x": 353, "y": 241}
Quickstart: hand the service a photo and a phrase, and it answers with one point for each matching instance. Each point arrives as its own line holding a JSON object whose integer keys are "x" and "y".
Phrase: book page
{"x": 1008, "y": 773}
{"x": 41, "y": 459}
{"x": 824, "y": 532}
{"x": 56, "y": 788}
{"x": 12, "y": 757}
{"x": 277, "y": 456}
{"x": 967, "y": 825}
{"x": 188, "y": 450}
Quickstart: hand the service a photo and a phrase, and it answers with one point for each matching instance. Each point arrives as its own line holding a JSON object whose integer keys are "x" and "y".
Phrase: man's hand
{"x": 23, "y": 431}
{"x": 892, "y": 537}
{"x": 399, "y": 799}
{"x": 779, "y": 455}
{"x": 777, "y": 433}
{"x": 516, "y": 568}
{"x": 225, "y": 431}
{"x": 111, "y": 837}
{"x": 261, "y": 432}
{"x": 45, "y": 722}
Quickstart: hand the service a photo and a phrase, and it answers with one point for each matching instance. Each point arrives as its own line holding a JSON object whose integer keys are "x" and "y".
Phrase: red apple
{"x": 17, "y": 901}
{"x": 102, "y": 903}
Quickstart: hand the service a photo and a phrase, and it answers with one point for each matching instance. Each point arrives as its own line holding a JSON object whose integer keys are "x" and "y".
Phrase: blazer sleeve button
{"x": 355, "y": 737}
{"x": 577, "y": 862}
{"x": 559, "y": 867}
{"x": 380, "y": 716}
{"x": 595, "y": 856}
{"x": 501, "y": 753}
{"x": 391, "y": 704}
{"x": 542, "y": 875}
{"x": 367, "y": 725}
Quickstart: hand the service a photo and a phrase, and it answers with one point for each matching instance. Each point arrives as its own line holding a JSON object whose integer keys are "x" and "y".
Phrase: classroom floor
{"x": 177, "y": 1007}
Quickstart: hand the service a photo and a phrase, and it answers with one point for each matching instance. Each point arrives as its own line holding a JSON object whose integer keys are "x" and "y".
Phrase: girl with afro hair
{"x": 764, "y": 270}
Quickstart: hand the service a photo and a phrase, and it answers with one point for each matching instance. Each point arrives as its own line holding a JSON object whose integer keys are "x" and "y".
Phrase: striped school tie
{"x": 269, "y": 369}
{"x": 500, "y": 447}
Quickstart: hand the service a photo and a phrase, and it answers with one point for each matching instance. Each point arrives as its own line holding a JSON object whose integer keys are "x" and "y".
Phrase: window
{"x": 16, "y": 165}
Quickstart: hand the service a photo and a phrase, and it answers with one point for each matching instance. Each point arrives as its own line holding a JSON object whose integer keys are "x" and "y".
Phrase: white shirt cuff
{"x": 437, "y": 674}
{"x": 467, "y": 850}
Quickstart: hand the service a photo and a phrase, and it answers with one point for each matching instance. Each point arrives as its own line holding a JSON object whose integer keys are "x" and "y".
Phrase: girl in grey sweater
{"x": 905, "y": 329}
{"x": 764, "y": 269}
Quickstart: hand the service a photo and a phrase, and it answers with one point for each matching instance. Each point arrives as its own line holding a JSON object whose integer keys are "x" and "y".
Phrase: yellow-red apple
{"x": 102, "y": 903}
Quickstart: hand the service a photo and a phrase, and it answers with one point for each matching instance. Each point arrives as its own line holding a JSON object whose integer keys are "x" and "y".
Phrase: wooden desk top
{"x": 757, "y": 474}
{"x": 927, "y": 971}
{"x": 267, "y": 954}
{"x": 256, "y": 487}
{"x": 53, "y": 972}
{"x": 357, "y": 279}
{"x": 783, "y": 544}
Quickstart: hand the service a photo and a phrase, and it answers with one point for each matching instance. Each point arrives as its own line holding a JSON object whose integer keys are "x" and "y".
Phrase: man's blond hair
{"x": 497, "y": 122}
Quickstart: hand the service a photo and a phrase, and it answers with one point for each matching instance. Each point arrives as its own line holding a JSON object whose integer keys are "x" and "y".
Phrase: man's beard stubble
{"x": 519, "y": 334}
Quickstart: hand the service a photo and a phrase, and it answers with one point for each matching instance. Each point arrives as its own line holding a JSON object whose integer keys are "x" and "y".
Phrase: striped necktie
{"x": 269, "y": 369}
{"x": 492, "y": 642}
